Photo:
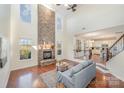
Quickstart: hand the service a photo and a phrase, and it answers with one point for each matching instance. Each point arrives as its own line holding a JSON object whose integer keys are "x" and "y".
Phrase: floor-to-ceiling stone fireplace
{"x": 46, "y": 35}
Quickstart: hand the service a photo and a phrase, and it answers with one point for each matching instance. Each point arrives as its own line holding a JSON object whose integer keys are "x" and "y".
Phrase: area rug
{"x": 49, "y": 78}
{"x": 102, "y": 68}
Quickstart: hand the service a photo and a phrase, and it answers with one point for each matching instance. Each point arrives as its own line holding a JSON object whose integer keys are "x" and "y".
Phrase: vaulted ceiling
{"x": 108, "y": 33}
{"x": 94, "y": 17}
{"x": 107, "y": 19}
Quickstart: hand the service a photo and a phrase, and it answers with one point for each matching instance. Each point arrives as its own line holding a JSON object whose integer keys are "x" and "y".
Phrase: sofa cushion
{"x": 86, "y": 63}
{"x": 78, "y": 68}
{"x": 67, "y": 72}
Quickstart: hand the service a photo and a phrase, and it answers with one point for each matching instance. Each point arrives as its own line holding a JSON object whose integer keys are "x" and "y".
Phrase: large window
{"x": 25, "y": 49}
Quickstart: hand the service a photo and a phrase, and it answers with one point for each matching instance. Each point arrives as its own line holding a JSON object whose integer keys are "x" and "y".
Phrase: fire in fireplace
{"x": 47, "y": 54}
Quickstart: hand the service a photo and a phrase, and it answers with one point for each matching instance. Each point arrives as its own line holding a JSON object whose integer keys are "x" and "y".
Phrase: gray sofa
{"x": 78, "y": 76}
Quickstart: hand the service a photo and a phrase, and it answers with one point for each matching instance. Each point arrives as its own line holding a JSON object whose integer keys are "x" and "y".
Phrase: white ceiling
{"x": 61, "y": 9}
{"x": 94, "y": 17}
{"x": 108, "y": 33}
{"x": 101, "y": 21}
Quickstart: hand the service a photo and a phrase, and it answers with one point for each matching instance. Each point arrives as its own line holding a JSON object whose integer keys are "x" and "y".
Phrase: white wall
{"x": 92, "y": 17}
{"x": 70, "y": 46}
{"x": 5, "y": 33}
{"x": 96, "y": 17}
{"x": 20, "y": 29}
{"x": 99, "y": 43}
{"x": 116, "y": 66}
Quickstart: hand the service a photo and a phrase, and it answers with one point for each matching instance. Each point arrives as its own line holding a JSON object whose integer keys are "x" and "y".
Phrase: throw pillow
{"x": 75, "y": 69}
{"x": 79, "y": 67}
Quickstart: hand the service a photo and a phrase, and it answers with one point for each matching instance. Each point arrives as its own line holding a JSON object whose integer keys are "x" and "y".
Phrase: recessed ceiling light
{"x": 83, "y": 28}
{"x": 65, "y": 5}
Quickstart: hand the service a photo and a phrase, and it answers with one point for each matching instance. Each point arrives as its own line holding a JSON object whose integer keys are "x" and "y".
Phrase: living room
{"x": 41, "y": 37}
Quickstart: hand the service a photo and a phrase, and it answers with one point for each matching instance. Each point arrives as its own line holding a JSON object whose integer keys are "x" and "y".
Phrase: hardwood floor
{"x": 104, "y": 80}
{"x": 29, "y": 78}
{"x": 97, "y": 59}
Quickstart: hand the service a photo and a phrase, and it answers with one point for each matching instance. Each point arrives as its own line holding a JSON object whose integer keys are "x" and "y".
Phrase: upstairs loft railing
{"x": 117, "y": 47}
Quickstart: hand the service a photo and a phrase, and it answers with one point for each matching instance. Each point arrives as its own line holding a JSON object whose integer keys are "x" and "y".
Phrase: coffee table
{"x": 62, "y": 66}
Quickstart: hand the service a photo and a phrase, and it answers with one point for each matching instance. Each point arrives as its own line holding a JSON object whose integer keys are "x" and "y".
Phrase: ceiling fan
{"x": 70, "y": 7}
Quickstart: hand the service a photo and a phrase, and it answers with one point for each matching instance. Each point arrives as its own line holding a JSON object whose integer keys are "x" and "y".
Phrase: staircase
{"x": 117, "y": 47}
{"x": 115, "y": 64}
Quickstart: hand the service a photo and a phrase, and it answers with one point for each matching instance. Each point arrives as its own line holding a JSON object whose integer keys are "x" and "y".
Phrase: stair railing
{"x": 117, "y": 47}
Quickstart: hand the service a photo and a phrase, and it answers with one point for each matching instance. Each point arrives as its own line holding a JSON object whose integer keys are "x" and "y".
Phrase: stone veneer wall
{"x": 46, "y": 29}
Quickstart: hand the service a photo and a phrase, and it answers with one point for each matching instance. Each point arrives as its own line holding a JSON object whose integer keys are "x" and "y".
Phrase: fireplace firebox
{"x": 47, "y": 54}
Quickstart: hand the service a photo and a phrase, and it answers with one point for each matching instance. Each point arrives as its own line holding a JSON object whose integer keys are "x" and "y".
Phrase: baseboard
{"x": 23, "y": 67}
{"x": 6, "y": 82}
{"x": 117, "y": 76}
